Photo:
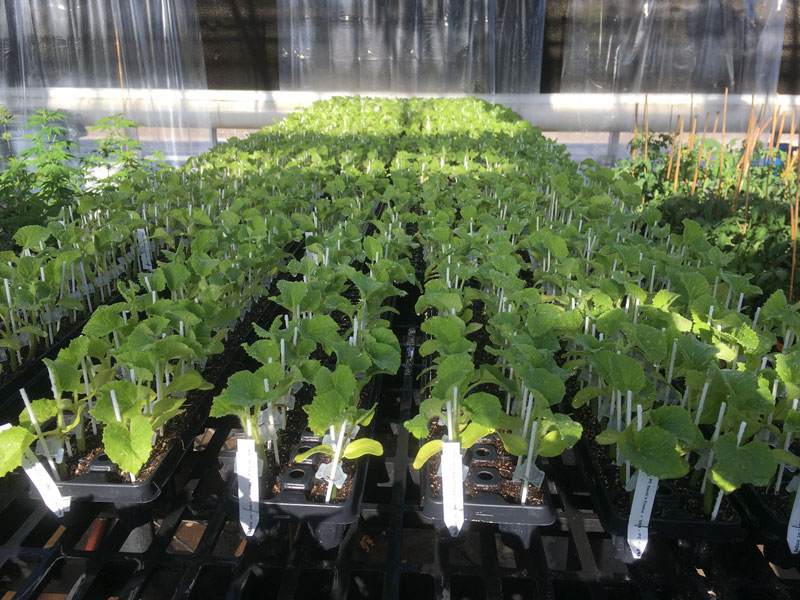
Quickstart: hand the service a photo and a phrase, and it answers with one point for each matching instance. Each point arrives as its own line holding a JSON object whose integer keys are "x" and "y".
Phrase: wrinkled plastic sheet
{"x": 673, "y": 46}
{"x": 124, "y": 45}
{"x": 411, "y": 46}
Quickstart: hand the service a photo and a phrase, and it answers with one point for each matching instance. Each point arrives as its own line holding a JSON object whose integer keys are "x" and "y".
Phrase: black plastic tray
{"x": 96, "y": 486}
{"x": 327, "y": 522}
{"x": 770, "y": 529}
{"x": 668, "y": 519}
{"x": 516, "y": 522}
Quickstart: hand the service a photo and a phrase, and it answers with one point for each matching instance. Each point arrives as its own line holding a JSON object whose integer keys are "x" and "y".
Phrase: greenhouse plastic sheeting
{"x": 424, "y": 46}
{"x": 673, "y": 46}
{"x": 141, "y": 47}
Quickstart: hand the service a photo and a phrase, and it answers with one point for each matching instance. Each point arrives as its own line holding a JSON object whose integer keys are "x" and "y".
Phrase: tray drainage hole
{"x": 485, "y": 476}
{"x": 302, "y": 449}
{"x": 297, "y": 473}
{"x": 482, "y": 452}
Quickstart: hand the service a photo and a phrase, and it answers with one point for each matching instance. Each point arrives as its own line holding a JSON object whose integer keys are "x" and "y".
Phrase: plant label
{"x": 793, "y": 531}
{"x": 144, "y": 249}
{"x": 643, "y": 499}
{"x": 534, "y": 475}
{"x": 246, "y": 466}
{"x": 44, "y": 484}
{"x": 452, "y": 487}
{"x": 338, "y": 478}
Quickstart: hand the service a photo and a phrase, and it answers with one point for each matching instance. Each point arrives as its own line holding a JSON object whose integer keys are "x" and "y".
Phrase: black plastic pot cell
{"x": 517, "y": 522}
{"x": 670, "y": 517}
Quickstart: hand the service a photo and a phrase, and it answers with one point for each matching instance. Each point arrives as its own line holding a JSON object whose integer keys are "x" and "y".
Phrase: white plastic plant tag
{"x": 631, "y": 485}
{"x": 55, "y": 447}
{"x": 246, "y": 466}
{"x": 535, "y": 475}
{"x": 769, "y": 438}
{"x": 40, "y": 478}
{"x": 144, "y": 249}
{"x": 452, "y": 487}
{"x": 324, "y": 473}
{"x": 641, "y": 508}
{"x": 606, "y": 410}
{"x": 793, "y": 532}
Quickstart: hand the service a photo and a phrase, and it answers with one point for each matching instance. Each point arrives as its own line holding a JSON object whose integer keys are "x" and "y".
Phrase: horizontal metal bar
{"x": 255, "y": 109}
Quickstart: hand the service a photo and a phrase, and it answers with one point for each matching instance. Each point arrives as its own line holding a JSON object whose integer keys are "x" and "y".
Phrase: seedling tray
{"x": 98, "y": 485}
{"x": 327, "y": 522}
{"x": 669, "y": 518}
{"x": 517, "y": 523}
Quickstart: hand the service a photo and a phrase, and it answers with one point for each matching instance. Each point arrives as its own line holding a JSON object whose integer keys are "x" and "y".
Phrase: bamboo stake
{"x": 722, "y": 145}
{"x": 671, "y": 149}
{"x": 795, "y": 213}
{"x": 789, "y": 154}
{"x": 700, "y": 155}
{"x": 680, "y": 151}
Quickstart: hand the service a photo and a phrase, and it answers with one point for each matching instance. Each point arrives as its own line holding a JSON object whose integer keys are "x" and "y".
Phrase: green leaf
{"x": 653, "y": 450}
{"x": 245, "y": 389}
{"x": 611, "y": 321}
{"x": 363, "y": 446}
{"x": 129, "y": 449}
{"x": 428, "y": 450}
{"x": 30, "y": 236}
{"x": 190, "y": 380}
{"x": 696, "y": 355}
{"x": 103, "y": 321}
{"x": 786, "y": 457}
{"x": 584, "y": 395}
{"x": 418, "y": 426}
{"x": 63, "y": 376}
{"x": 472, "y": 433}
{"x": 608, "y": 437}
{"x": 383, "y": 349}
{"x": 321, "y": 449}
{"x": 13, "y": 443}
{"x": 131, "y": 399}
{"x": 321, "y": 329}
{"x": 176, "y": 275}
{"x": 619, "y": 371}
{"x": 562, "y": 433}
{"x": 514, "y": 444}
{"x": 736, "y": 465}
{"x": 454, "y": 370}
{"x": 43, "y": 410}
{"x": 292, "y": 294}
{"x": 678, "y": 422}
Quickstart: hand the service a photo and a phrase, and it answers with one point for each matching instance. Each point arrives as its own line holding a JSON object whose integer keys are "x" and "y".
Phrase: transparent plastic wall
{"x": 136, "y": 52}
{"x": 673, "y": 46}
{"x": 411, "y": 46}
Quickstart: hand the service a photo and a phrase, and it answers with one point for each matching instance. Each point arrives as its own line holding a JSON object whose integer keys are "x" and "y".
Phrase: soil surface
{"x": 509, "y": 490}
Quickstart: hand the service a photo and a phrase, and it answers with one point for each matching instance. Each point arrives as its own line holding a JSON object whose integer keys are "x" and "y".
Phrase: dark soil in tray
{"x": 691, "y": 500}
{"x": 504, "y": 463}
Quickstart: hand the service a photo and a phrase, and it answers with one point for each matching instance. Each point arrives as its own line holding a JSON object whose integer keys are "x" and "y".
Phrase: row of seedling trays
{"x": 557, "y": 313}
